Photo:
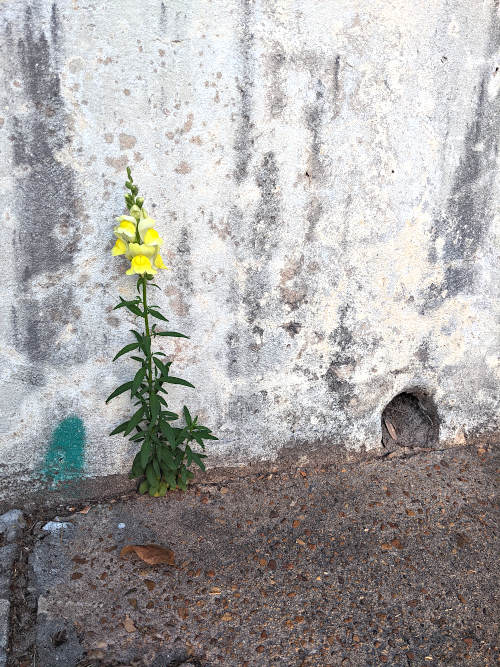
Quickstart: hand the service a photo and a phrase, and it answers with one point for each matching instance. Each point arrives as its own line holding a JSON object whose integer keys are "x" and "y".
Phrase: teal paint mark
{"x": 65, "y": 456}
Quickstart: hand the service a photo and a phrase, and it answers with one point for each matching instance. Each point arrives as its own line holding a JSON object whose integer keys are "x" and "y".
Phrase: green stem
{"x": 148, "y": 334}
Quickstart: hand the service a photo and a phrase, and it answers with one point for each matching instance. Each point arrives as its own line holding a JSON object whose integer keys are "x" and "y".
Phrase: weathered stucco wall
{"x": 325, "y": 175}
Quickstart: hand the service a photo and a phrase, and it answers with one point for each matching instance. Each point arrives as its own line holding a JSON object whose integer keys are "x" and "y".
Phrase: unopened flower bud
{"x": 139, "y": 201}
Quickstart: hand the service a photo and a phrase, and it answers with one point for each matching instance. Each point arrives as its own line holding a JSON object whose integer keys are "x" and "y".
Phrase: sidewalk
{"x": 393, "y": 562}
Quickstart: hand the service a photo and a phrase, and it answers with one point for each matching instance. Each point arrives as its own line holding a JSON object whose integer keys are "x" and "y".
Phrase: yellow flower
{"x": 151, "y": 237}
{"x": 135, "y": 249}
{"x": 159, "y": 263}
{"x": 120, "y": 248}
{"x": 144, "y": 225}
{"x": 126, "y": 229}
{"x": 140, "y": 264}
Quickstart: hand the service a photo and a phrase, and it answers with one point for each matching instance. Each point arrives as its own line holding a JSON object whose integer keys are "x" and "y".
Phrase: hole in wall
{"x": 410, "y": 420}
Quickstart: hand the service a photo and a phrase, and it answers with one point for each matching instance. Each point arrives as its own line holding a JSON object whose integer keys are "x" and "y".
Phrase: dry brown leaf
{"x": 391, "y": 429}
{"x": 150, "y": 553}
{"x": 84, "y": 510}
{"x": 227, "y": 617}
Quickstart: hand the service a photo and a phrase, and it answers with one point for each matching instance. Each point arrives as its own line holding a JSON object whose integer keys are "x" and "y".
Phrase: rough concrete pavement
{"x": 391, "y": 561}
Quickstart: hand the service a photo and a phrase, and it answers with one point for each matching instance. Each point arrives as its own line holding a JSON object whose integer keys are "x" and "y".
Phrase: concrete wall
{"x": 325, "y": 175}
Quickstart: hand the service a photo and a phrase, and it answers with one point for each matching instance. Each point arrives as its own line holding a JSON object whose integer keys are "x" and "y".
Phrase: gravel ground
{"x": 385, "y": 561}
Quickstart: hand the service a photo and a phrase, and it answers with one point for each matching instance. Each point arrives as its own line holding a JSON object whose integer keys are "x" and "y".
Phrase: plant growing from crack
{"x": 166, "y": 451}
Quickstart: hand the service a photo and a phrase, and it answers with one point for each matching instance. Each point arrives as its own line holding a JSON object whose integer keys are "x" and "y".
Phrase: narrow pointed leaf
{"x": 119, "y": 429}
{"x": 171, "y": 334}
{"x": 139, "y": 377}
{"x": 134, "y": 420}
{"x": 187, "y": 416}
{"x": 173, "y": 380}
{"x": 120, "y": 390}
{"x": 127, "y": 348}
{"x": 155, "y": 313}
{"x": 198, "y": 461}
{"x": 145, "y": 452}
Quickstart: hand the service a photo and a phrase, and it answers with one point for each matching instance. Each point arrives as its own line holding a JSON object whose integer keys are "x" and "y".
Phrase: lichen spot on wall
{"x": 65, "y": 455}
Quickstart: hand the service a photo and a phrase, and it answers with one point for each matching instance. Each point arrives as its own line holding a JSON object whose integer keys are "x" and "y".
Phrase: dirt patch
{"x": 410, "y": 421}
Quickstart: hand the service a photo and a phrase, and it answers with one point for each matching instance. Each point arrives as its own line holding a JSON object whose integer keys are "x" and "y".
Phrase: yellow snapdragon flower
{"x": 140, "y": 256}
{"x": 120, "y": 248}
{"x": 144, "y": 255}
{"x": 140, "y": 264}
{"x": 126, "y": 230}
{"x": 151, "y": 237}
{"x": 159, "y": 263}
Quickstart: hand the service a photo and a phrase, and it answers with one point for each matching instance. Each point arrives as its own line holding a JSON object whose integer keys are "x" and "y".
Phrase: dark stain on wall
{"x": 469, "y": 209}
{"x": 277, "y": 95}
{"x": 342, "y": 360}
{"x": 183, "y": 266}
{"x": 268, "y": 214}
{"x": 45, "y": 198}
{"x": 314, "y": 120}
{"x": 243, "y": 139}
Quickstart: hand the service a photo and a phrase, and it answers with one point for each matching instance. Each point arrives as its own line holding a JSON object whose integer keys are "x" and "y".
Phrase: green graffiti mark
{"x": 65, "y": 456}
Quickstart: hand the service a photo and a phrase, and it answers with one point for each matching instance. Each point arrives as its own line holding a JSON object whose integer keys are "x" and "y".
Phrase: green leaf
{"x": 179, "y": 457}
{"x": 164, "y": 368}
{"x": 173, "y": 380}
{"x": 145, "y": 452}
{"x": 187, "y": 416}
{"x": 155, "y": 313}
{"x": 190, "y": 475}
{"x": 155, "y": 407}
{"x": 134, "y": 420}
{"x": 130, "y": 305}
{"x": 167, "y": 457}
{"x": 137, "y": 335}
{"x": 168, "y": 432}
{"x": 139, "y": 377}
{"x": 124, "y": 304}
{"x": 120, "y": 390}
{"x": 170, "y": 479}
{"x": 146, "y": 346}
{"x": 189, "y": 454}
{"x": 138, "y": 436}
{"x": 169, "y": 415}
{"x": 198, "y": 439}
{"x": 156, "y": 468}
{"x": 153, "y": 490}
{"x": 197, "y": 459}
{"x": 151, "y": 475}
{"x": 144, "y": 486}
{"x": 184, "y": 474}
{"x": 181, "y": 485}
{"x": 162, "y": 401}
{"x": 162, "y": 489}
{"x": 137, "y": 467}
{"x": 136, "y": 311}
{"x": 172, "y": 334}
{"x": 119, "y": 429}
{"x": 127, "y": 348}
